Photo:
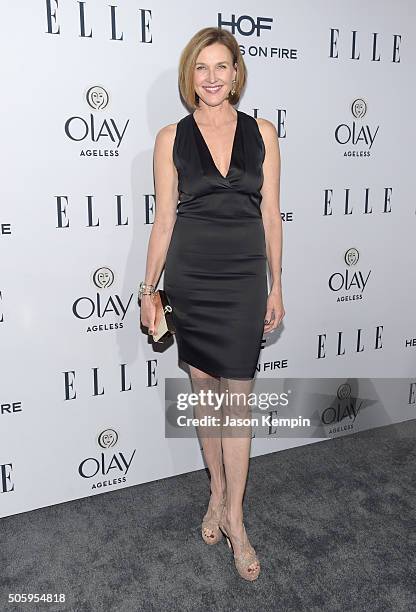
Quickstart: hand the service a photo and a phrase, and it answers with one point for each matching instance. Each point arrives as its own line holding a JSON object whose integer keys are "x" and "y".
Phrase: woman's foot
{"x": 211, "y": 533}
{"x": 245, "y": 558}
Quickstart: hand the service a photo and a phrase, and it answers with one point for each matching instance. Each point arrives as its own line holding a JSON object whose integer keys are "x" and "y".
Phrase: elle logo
{"x": 142, "y": 20}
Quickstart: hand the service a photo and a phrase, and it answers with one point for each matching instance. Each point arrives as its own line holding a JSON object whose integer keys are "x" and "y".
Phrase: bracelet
{"x": 145, "y": 289}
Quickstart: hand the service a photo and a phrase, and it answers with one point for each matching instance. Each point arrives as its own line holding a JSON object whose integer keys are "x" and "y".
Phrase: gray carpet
{"x": 334, "y": 525}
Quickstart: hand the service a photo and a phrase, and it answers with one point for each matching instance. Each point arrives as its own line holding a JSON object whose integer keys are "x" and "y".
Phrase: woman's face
{"x": 214, "y": 73}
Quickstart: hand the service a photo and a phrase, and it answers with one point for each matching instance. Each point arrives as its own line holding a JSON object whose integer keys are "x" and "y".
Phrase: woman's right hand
{"x": 148, "y": 313}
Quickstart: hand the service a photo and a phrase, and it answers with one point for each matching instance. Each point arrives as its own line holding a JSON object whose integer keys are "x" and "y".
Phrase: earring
{"x": 232, "y": 92}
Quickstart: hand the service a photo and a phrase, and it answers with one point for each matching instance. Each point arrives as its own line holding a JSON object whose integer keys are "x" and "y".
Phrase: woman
{"x": 223, "y": 166}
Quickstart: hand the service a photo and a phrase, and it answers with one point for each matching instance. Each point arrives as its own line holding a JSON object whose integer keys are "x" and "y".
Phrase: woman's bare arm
{"x": 166, "y": 195}
{"x": 270, "y": 205}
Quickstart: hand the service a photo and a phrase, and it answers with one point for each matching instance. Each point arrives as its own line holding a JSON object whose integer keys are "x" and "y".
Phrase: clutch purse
{"x": 164, "y": 327}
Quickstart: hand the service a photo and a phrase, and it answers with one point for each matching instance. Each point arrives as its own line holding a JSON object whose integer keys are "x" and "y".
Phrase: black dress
{"x": 216, "y": 264}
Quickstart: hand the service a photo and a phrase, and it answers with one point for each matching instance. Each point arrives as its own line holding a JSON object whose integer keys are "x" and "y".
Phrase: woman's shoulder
{"x": 167, "y": 132}
{"x": 266, "y": 127}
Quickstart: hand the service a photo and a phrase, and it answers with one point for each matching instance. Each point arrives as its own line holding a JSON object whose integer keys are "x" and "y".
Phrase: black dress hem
{"x": 224, "y": 374}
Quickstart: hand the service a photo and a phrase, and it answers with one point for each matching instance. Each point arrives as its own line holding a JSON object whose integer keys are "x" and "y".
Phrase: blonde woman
{"x": 217, "y": 225}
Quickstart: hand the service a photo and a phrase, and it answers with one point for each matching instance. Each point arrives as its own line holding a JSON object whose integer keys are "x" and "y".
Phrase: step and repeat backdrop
{"x": 85, "y": 88}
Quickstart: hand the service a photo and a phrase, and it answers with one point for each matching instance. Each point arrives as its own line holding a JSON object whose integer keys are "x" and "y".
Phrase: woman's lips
{"x": 212, "y": 89}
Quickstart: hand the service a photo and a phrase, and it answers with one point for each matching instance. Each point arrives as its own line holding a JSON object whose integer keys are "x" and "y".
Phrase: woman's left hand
{"x": 275, "y": 312}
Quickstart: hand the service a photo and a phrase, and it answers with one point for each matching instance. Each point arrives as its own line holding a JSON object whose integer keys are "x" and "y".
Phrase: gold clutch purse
{"x": 164, "y": 327}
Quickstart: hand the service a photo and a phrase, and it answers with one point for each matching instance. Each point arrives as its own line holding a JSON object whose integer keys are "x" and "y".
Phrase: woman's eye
{"x": 203, "y": 67}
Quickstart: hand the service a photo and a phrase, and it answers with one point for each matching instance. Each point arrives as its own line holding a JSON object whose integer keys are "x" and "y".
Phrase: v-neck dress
{"x": 216, "y": 264}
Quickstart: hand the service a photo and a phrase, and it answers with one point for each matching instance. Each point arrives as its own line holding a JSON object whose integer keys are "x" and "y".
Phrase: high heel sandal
{"x": 210, "y": 522}
{"x": 246, "y": 558}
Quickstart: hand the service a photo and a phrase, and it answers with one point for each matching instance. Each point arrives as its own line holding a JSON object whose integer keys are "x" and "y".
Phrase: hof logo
{"x": 346, "y": 281}
{"x": 116, "y": 466}
{"x": 355, "y": 134}
{"x": 246, "y": 25}
{"x": 255, "y": 24}
{"x": 94, "y": 130}
{"x": 103, "y": 307}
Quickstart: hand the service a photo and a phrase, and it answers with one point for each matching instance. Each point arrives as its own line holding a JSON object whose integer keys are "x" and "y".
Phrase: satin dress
{"x": 216, "y": 264}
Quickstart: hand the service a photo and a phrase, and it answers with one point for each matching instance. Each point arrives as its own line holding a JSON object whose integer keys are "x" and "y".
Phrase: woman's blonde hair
{"x": 200, "y": 40}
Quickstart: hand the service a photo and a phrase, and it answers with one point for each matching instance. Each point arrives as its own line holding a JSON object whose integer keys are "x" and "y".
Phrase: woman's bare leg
{"x": 210, "y": 437}
{"x": 236, "y": 444}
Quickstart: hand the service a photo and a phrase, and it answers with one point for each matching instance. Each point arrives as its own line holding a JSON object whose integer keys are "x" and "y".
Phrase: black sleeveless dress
{"x": 216, "y": 264}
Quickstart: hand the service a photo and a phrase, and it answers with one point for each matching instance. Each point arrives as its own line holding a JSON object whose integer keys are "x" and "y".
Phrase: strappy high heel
{"x": 246, "y": 558}
{"x": 210, "y": 522}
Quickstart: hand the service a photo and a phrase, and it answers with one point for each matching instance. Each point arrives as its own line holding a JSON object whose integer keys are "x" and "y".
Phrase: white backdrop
{"x": 85, "y": 91}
